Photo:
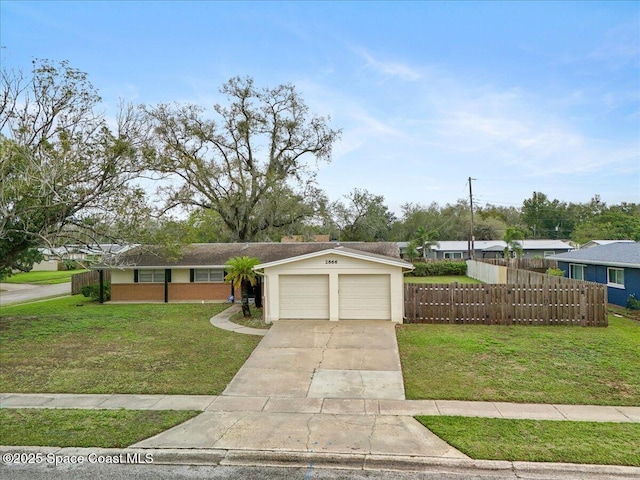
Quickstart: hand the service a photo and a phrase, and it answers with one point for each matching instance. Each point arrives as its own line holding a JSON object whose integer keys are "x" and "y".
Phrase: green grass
{"x": 442, "y": 279}
{"x": 85, "y": 428}
{"x": 254, "y": 321}
{"x": 42, "y": 278}
{"x": 73, "y": 345}
{"x": 540, "y": 440}
{"x": 522, "y": 363}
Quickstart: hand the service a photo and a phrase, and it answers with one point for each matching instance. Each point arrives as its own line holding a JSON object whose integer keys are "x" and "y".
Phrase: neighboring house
{"x": 495, "y": 249}
{"x": 615, "y": 264}
{"x": 198, "y": 274}
{"x": 595, "y": 243}
{"x": 79, "y": 253}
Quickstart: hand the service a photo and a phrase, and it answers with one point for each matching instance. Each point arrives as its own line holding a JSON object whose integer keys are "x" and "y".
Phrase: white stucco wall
{"x": 46, "y": 266}
{"x": 333, "y": 265}
{"x": 121, "y": 276}
{"x": 180, "y": 275}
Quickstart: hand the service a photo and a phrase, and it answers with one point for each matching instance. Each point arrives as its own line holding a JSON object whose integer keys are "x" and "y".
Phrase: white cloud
{"x": 388, "y": 68}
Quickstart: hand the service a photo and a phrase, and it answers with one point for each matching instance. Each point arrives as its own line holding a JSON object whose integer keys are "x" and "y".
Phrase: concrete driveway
{"x": 313, "y": 386}
{"x": 321, "y": 359}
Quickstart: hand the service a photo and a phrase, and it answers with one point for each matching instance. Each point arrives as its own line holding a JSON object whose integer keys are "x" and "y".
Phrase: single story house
{"x": 79, "y": 253}
{"x": 595, "y": 243}
{"x": 495, "y": 249}
{"x": 340, "y": 283}
{"x": 302, "y": 280}
{"x": 615, "y": 264}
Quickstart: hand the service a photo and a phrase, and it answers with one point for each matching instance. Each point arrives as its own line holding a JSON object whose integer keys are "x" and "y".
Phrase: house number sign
{"x": 333, "y": 262}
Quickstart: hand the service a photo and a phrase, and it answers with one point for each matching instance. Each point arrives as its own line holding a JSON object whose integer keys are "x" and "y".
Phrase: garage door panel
{"x": 364, "y": 297}
{"x": 304, "y": 297}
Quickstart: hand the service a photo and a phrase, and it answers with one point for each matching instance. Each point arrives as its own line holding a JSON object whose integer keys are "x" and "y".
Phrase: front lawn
{"x": 540, "y": 440}
{"x": 42, "y": 278}
{"x": 254, "y": 321}
{"x": 442, "y": 279}
{"x": 73, "y": 345}
{"x": 539, "y": 364}
{"x": 85, "y": 428}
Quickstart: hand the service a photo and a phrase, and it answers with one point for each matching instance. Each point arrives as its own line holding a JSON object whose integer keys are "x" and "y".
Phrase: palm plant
{"x": 426, "y": 239}
{"x": 512, "y": 237}
{"x": 241, "y": 274}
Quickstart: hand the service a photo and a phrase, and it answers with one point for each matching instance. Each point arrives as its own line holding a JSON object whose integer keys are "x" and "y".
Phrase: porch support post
{"x": 101, "y": 277}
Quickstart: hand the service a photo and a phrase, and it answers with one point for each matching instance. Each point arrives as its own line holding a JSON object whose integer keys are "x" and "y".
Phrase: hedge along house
{"x": 340, "y": 283}
{"x": 617, "y": 265}
{"x": 196, "y": 273}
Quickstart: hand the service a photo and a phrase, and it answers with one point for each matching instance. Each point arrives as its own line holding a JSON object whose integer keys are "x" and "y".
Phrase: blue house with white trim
{"x": 617, "y": 265}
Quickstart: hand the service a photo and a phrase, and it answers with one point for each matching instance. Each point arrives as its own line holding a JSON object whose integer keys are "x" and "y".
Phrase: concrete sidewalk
{"x": 222, "y": 320}
{"x": 333, "y": 406}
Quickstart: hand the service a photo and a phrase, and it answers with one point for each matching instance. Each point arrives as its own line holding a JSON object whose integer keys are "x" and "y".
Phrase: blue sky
{"x": 521, "y": 96}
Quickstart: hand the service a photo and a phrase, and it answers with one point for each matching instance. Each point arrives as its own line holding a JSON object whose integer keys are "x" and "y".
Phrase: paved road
{"x": 15, "y": 293}
{"x": 97, "y": 471}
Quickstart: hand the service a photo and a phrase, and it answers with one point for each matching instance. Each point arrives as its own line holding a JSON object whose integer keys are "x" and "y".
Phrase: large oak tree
{"x": 65, "y": 174}
{"x": 253, "y": 161}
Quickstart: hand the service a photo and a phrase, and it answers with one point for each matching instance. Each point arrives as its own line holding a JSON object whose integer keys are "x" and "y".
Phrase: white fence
{"x": 486, "y": 272}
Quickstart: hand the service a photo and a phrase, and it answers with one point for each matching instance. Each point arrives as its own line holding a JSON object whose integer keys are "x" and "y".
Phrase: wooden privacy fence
{"x": 583, "y": 304}
{"x": 522, "y": 263}
{"x": 92, "y": 277}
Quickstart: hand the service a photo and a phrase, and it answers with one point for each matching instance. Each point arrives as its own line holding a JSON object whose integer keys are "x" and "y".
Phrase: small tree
{"x": 411, "y": 253}
{"x": 512, "y": 237}
{"x": 427, "y": 240}
{"x": 241, "y": 274}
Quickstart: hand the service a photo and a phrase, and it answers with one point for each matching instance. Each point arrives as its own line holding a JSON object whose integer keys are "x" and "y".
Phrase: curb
{"x": 15, "y": 455}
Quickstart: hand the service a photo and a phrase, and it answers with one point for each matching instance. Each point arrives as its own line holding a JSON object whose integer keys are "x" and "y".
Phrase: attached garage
{"x": 364, "y": 297}
{"x": 304, "y": 296}
{"x": 334, "y": 284}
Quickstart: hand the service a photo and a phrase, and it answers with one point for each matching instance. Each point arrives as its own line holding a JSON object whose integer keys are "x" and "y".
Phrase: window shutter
{"x": 167, "y": 275}
{"x": 192, "y": 274}
{"x": 135, "y": 276}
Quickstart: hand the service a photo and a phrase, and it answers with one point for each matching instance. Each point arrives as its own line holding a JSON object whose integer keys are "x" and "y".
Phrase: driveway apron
{"x": 313, "y": 386}
{"x": 320, "y": 359}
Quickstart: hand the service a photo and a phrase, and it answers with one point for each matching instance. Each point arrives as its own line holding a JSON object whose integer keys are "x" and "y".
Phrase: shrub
{"x": 431, "y": 269}
{"x": 633, "y": 303}
{"x": 555, "y": 272}
{"x": 68, "y": 265}
{"x": 93, "y": 291}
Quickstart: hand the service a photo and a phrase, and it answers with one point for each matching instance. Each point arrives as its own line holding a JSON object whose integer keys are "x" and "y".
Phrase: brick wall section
{"x": 154, "y": 292}
{"x": 199, "y": 291}
{"x": 137, "y": 292}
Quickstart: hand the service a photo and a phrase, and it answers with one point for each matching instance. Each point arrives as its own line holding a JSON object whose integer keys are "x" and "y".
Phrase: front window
{"x": 209, "y": 275}
{"x": 615, "y": 277}
{"x": 576, "y": 272}
{"x": 151, "y": 276}
{"x": 452, "y": 254}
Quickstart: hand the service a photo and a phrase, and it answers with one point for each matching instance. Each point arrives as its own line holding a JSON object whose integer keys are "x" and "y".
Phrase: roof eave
{"x": 595, "y": 262}
{"x": 397, "y": 263}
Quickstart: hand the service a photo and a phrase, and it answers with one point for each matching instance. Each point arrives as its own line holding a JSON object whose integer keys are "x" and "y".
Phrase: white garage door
{"x": 304, "y": 296}
{"x": 365, "y": 297}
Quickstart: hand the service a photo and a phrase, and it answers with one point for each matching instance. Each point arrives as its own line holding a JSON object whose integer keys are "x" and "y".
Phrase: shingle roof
{"x": 619, "y": 254}
{"x": 217, "y": 254}
{"x": 499, "y": 245}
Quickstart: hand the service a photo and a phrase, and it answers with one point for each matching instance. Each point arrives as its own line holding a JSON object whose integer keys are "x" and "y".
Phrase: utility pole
{"x": 472, "y": 252}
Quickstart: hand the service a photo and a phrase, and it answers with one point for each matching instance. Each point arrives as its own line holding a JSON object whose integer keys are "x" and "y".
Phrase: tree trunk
{"x": 246, "y": 311}
{"x": 258, "y": 293}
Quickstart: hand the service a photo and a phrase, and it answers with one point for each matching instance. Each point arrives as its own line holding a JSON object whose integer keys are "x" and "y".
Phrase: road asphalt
{"x": 329, "y": 393}
{"x": 19, "y": 293}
